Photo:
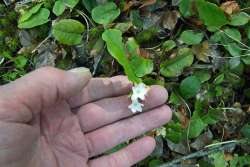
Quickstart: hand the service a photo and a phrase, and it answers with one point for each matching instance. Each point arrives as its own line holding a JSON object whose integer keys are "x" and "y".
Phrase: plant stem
{"x": 210, "y": 149}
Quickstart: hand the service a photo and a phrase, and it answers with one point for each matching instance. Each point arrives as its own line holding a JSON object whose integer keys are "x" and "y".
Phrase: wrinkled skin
{"x": 55, "y": 118}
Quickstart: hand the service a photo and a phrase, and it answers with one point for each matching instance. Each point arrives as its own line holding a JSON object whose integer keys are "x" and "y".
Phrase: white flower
{"x": 135, "y": 106}
{"x": 139, "y": 91}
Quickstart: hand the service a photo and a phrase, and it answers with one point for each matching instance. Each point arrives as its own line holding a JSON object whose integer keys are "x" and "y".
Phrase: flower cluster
{"x": 139, "y": 92}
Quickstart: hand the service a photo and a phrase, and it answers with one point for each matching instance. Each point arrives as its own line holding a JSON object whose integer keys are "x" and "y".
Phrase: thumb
{"x": 42, "y": 88}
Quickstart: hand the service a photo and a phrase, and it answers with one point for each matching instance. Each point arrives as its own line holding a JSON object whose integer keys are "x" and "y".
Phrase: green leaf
{"x": 218, "y": 90}
{"x": 232, "y": 33}
{"x": 191, "y": 38}
{"x": 234, "y": 49}
{"x": 37, "y": 19}
{"x": 211, "y": 14}
{"x": 190, "y": 86}
{"x": 219, "y": 79}
{"x": 185, "y": 7}
{"x": 245, "y": 130}
{"x": 116, "y": 48}
{"x": 140, "y": 65}
{"x": 219, "y": 159}
{"x": 154, "y": 163}
{"x": 230, "y": 38}
{"x": 174, "y": 132}
{"x": 70, "y": 3}
{"x": 174, "y": 99}
{"x": 213, "y": 116}
{"x": 20, "y": 61}
{"x": 136, "y": 18}
{"x": 89, "y": 4}
{"x": 27, "y": 14}
{"x": 203, "y": 75}
{"x": 240, "y": 161}
{"x": 168, "y": 45}
{"x": 106, "y": 13}
{"x": 68, "y": 31}
{"x": 239, "y": 19}
{"x": 175, "y": 66}
{"x": 196, "y": 127}
{"x": 58, "y": 8}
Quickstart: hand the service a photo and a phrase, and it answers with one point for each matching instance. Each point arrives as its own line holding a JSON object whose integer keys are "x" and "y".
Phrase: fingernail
{"x": 81, "y": 72}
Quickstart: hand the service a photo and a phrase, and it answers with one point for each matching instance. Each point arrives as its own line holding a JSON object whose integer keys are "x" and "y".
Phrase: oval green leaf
{"x": 27, "y": 14}
{"x": 190, "y": 37}
{"x": 105, "y": 14}
{"x": 175, "y": 66}
{"x": 168, "y": 45}
{"x": 190, "y": 86}
{"x": 211, "y": 14}
{"x": 37, "y": 19}
{"x": 239, "y": 19}
{"x": 58, "y": 8}
{"x": 70, "y": 3}
{"x": 68, "y": 31}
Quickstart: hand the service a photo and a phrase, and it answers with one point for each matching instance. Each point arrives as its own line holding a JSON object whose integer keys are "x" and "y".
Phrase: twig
{"x": 202, "y": 153}
{"x": 221, "y": 143}
{"x": 228, "y": 57}
{"x": 82, "y": 13}
{"x": 217, "y": 44}
{"x": 87, "y": 23}
{"x": 153, "y": 48}
{"x": 40, "y": 44}
{"x": 247, "y": 8}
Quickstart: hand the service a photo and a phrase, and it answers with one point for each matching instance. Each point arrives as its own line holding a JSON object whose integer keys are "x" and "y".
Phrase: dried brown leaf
{"x": 170, "y": 19}
{"x": 202, "y": 51}
{"x": 230, "y": 7}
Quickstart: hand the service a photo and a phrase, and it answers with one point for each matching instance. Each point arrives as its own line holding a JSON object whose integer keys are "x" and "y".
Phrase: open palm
{"x": 53, "y": 118}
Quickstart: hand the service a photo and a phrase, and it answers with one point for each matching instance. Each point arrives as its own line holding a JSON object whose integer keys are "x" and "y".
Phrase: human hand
{"x": 54, "y": 118}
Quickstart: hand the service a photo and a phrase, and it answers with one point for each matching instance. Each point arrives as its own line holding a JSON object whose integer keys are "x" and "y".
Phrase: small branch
{"x": 217, "y": 44}
{"x": 247, "y": 8}
{"x": 86, "y": 16}
{"x": 87, "y": 23}
{"x": 204, "y": 152}
{"x": 221, "y": 143}
{"x": 40, "y": 44}
{"x": 228, "y": 57}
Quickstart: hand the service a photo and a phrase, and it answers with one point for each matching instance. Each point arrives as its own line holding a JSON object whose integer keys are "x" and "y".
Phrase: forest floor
{"x": 198, "y": 49}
